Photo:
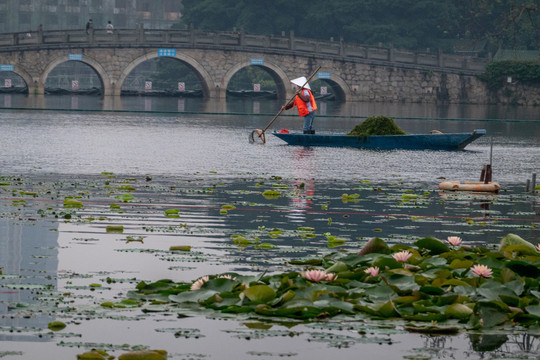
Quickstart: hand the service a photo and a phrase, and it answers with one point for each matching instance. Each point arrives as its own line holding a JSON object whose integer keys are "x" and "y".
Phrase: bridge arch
{"x": 339, "y": 86}
{"x": 28, "y": 79}
{"x": 95, "y": 65}
{"x": 280, "y": 78}
{"x": 207, "y": 83}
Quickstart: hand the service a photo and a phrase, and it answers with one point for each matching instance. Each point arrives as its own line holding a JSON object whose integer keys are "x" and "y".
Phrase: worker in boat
{"x": 304, "y": 102}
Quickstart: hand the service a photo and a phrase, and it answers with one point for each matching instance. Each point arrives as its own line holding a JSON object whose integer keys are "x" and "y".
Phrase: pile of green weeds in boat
{"x": 377, "y": 125}
{"x": 446, "y": 283}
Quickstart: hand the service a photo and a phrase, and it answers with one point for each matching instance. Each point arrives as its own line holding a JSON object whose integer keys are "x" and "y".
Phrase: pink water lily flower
{"x": 482, "y": 270}
{"x": 197, "y": 284}
{"x": 402, "y": 256}
{"x": 454, "y": 240}
{"x": 372, "y": 271}
{"x": 331, "y": 277}
{"x": 538, "y": 247}
{"x": 315, "y": 275}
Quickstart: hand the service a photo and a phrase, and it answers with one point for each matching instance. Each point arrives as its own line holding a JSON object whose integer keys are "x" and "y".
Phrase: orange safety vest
{"x": 301, "y": 105}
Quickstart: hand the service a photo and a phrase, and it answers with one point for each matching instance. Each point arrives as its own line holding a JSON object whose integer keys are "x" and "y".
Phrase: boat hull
{"x": 450, "y": 141}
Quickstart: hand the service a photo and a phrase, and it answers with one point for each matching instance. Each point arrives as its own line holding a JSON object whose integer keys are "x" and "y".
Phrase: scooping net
{"x": 257, "y": 136}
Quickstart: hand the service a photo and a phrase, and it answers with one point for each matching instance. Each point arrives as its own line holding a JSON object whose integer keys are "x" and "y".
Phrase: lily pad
{"x": 93, "y": 355}
{"x": 375, "y": 245}
{"x": 56, "y": 325}
{"x": 490, "y": 314}
{"x": 433, "y": 245}
{"x": 72, "y": 203}
{"x": 533, "y": 310}
{"x": 180, "y": 248}
{"x": 513, "y": 239}
{"x": 144, "y": 355}
{"x": 523, "y": 268}
{"x": 458, "y": 311}
{"x": 260, "y": 293}
{"x": 433, "y": 329}
{"x": 115, "y": 229}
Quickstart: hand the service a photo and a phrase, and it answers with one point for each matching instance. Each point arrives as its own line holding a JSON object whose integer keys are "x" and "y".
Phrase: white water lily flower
{"x": 199, "y": 282}
{"x": 226, "y": 276}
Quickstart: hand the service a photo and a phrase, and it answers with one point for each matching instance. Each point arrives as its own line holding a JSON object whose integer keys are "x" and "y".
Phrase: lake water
{"x": 193, "y": 155}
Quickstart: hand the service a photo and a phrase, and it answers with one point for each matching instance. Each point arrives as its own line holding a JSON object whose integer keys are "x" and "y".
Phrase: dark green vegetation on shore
{"x": 480, "y": 25}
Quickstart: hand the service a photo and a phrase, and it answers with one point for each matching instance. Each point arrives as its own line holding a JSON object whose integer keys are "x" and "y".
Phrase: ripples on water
{"x": 89, "y": 143}
{"x": 64, "y": 152}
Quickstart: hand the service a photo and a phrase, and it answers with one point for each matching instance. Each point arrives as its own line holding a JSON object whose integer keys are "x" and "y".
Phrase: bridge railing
{"x": 238, "y": 41}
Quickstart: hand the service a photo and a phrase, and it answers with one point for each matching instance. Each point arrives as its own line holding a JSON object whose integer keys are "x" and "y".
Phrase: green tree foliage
{"x": 411, "y": 24}
{"x": 246, "y": 77}
{"x": 526, "y": 72}
{"x": 513, "y": 24}
{"x": 169, "y": 72}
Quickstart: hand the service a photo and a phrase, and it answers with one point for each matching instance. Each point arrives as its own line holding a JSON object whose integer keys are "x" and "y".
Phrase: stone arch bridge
{"x": 353, "y": 72}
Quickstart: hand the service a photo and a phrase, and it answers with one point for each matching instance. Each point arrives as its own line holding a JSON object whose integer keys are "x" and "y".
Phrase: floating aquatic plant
{"x": 346, "y": 197}
{"x": 125, "y": 197}
{"x": 241, "y": 240}
{"x": 144, "y": 355}
{"x": 130, "y": 238}
{"x": 72, "y": 203}
{"x": 271, "y": 194}
{"x": 127, "y": 188}
{"x": 377, "y": 125}
{"x": 93, "y": 355}
{"x": 171, "y": 212}
{"x": 180, "y": 248}
{"x": 475, "y": 287}
{"x": 56, "y": 325}
{"x": 115, "y": 229}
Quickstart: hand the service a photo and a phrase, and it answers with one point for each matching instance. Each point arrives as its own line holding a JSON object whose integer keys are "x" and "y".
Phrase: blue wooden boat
{"x": 438, "y": 141}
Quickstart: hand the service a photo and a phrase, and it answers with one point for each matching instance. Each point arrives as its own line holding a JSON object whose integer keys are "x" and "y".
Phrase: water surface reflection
{"x": 194, "y": 156}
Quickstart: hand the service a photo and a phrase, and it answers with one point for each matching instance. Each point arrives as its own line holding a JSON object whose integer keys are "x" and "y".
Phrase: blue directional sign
{"x": 166, "y": 52}
{"x": 256, "y": 61}
{"x": 324, "y": 75}
{"x": 7, "y": 68}
{"x": 77, "y": 57}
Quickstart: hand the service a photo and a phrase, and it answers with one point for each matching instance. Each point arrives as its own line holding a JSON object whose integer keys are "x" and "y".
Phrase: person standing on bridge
{"x": 89, "y": 25}
{"x": 110, "y": 27}
{"x": 304, "y": 102}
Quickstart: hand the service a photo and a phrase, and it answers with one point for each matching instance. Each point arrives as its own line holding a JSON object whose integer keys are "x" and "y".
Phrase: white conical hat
{"x": 301, "y": 81}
